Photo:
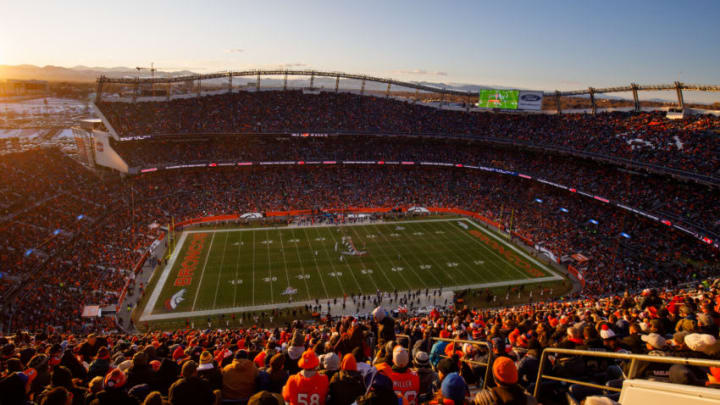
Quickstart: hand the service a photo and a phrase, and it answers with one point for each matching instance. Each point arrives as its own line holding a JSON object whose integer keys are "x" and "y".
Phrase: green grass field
{"x": 503, "y": 99}
{"x": 221, "y": 271}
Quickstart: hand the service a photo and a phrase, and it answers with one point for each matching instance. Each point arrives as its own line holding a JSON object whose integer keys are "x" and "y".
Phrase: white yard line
{"x": 210, "y": 312}
{"x": 517, "y": 250}
{"x": 282, "y": 250}
{"x": 440, "y": 266}
{"x": 302, "y": 267}
{"x": 222, "y": 261}
{"x": 237, "y": 265}
{"x": 253, "y": 269}
{"x": 202, "y": 273}
{"x": 330, "y": 260}
{"x": 267, "y": 238}
{"x": 360, "y": 290}
{"x": 362, "y": 262}
{"x": 400, "y": 273}
{"x": 448, "y": 243}
{"x": 410, "y": 266}
{"x": 502, "y": 259}
{"x": 163, "y": 277}
{"x": 317, "y": 268}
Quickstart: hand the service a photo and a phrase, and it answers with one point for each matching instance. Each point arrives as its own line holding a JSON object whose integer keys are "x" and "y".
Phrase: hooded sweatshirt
{"x": 348, "y": 384}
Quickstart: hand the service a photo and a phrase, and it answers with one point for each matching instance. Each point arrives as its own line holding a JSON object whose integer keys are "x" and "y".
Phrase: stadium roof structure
{"x": 591, "y": 91}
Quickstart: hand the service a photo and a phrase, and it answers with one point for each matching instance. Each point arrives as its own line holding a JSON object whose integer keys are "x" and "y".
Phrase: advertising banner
{"x": 530, "y": 100}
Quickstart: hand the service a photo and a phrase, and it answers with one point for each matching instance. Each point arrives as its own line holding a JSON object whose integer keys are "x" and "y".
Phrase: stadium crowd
{"x": 688, "y": 144}
{"x": 90, "y": 264}
{"x": 678, "y": 201}
{"x": 379, "y": 359}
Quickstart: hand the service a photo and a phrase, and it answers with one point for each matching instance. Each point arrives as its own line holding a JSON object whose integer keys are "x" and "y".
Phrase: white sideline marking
{"x": 207, "y": 256}
{"x": 163, "y": 276}
{"x": 517, "y": 250}
{"x": 210, "y": 312}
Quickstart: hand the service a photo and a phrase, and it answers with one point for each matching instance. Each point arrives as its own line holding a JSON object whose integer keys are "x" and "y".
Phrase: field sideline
{"x": 223, "y": 271}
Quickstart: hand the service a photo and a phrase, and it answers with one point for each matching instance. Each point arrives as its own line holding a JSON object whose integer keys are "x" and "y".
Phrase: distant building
{"x": 13, "y": 87}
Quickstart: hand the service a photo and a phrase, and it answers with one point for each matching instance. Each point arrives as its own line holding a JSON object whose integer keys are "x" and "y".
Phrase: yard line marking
{"x": 272, "y": 297}
{"x": 360, "y": 290}
{"x": 237, "y": 265}
{"x": 302, "y": 267}
{"x": 399, "y": 272}
{"x": 253, "y": 269}
{"x": 330, "y": 260}
{"x": 207, "y": 256}
{"x": 496, "y": 254}
{"x": 406, "y": 262}
{"x": 440, "y": 266}
{"x": 516, "y": 249}
{"x": 220, "y": 270}
{"x": 372, "y": 278}
{"x": 317, "y": 268}
{"x": 282, "y": 250}
{"x": 457, "y": 270}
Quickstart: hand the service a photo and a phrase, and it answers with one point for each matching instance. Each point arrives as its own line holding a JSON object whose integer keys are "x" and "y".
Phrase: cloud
{"x": 234, "y": 50}
{"x": 419, "y": 72}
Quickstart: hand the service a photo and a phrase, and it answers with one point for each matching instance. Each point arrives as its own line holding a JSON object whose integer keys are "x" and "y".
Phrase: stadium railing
{"x": 635, "y": 360}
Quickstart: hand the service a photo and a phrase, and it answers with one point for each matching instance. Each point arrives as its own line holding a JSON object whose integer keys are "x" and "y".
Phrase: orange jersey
{"x": 406, "y": 385}
{"x": 300, "y": 390}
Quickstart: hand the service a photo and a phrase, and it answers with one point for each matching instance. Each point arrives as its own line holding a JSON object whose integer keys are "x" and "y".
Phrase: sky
{"x": 524, "y": 44}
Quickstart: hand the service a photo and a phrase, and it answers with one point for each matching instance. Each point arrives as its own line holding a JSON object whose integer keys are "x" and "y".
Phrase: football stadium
{"x": 281, "y": 234}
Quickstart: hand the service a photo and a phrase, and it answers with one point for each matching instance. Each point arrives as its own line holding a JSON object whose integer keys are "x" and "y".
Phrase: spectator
{"x": 191, "y": 389}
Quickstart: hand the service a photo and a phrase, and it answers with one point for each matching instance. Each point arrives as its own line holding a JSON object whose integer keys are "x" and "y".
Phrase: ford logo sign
{"x": 530, "y": 97}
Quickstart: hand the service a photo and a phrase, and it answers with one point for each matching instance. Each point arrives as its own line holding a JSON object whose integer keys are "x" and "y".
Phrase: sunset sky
{"x": 528, "y": 44}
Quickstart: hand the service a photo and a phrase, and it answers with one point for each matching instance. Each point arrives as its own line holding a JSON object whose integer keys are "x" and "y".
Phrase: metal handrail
{"x": 635, "y": 359}
{"x": 485, "y": 364}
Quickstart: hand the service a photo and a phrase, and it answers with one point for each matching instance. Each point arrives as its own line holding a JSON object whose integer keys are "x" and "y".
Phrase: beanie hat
{"x": 115, "y": 379}
{"x": 454, "y": 387}
{"x": 206, "y": 357}
{"x": 504, "y": 371}
{"x": 400, "y": 356}
{"x": 421, "y": 359}
{"x": 606, "y": 333}
{"x": 349, "y": 363}
{"x": 331, "y": 361}
{"x": 308, "y": 360}
{"x": 125, "y": 365}
{"x": 655, "y": 340}
{"x": 178, "y": 353}
{"x": 700, "y": 342}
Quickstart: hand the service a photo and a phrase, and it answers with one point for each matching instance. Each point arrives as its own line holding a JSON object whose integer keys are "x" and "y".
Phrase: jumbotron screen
{"x": 504, "y": 99}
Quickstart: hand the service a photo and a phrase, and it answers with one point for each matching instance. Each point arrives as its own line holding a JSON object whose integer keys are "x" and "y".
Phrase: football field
{"x": 223, "y": 271}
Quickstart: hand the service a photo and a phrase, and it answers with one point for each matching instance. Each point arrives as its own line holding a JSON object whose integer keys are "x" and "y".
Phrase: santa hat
{"x": 606, "y": 333}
